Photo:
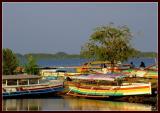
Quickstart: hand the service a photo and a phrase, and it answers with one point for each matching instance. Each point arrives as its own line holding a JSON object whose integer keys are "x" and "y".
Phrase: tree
{"x": 109, "y": 43}
{"x": 10, "y": 62}
{"x": 31, "y": 67}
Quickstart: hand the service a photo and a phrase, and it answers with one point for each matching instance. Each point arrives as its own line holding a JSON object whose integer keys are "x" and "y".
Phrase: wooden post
{"x": 28, "y": 82}
{"x": 28, "y": 107}
{"x": 38, "y": 81}
{"x": 6, "y": 82}
{"x": 17, "y": 82}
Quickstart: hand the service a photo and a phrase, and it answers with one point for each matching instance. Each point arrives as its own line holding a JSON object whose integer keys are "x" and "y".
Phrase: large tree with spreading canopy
{"x": 109, "y": 43}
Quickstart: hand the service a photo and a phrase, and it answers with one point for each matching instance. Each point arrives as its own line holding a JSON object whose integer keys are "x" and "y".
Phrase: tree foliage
{"x": 109, "y": 43}
{"x": 31, "y": 67}
{"x": 45, "y": 56}
{"x": 10, "y": 62}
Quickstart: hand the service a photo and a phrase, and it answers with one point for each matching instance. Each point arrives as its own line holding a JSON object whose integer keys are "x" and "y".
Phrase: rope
{"x": 69, "y": 91}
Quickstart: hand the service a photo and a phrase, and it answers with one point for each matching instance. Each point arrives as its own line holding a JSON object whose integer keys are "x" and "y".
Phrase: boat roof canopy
{"x": 107, "y": 77}
{"x": 11, "y": 77}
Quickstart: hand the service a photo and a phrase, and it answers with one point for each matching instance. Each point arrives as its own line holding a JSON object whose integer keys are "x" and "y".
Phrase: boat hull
{"x": 34, "y": 92}
{"x": 112, "y": 90}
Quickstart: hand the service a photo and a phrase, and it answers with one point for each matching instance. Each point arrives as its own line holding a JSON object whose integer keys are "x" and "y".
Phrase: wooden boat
{"x": 148, "y": 72}
{"x": 106, "y": 86}
{"x": 125, "y": 89}
{"x": 102, "y": 67}
{"x": 53, "y": 72}
{"x": 28, "y": 85}
{"x": 57, "y": 72}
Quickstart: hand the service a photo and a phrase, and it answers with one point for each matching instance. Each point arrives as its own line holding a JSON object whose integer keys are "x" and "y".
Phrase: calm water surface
{"x": 77, "y": 62}
{"x": 71, "y": 104}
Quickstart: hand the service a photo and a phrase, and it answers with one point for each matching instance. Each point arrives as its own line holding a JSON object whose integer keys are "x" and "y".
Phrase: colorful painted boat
{"x": 148, "y": 72}
{"x": 107, "y": 77}
{"x": 124, "y": 90}
{"x": 102, "y": 67}
{"x": 29, "y": 86}
{"x": 108, "y": 86}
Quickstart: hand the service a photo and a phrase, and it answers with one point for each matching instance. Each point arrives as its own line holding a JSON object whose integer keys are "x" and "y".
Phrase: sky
{"x": 65, "y": 27}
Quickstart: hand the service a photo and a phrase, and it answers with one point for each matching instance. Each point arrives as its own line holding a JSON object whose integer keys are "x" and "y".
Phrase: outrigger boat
{"x": 105, "y": 86}
{"x": 29, "y": 86}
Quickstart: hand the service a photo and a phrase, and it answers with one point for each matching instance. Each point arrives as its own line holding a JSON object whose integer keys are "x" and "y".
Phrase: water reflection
{"x": 65, "y": 104}
{"x": 99, "y": 105}
{"x": 21, "y": 104}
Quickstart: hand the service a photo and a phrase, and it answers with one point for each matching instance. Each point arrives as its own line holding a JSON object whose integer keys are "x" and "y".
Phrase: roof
{"x": 6, "y": 77}
{"x": 107, "y": 77}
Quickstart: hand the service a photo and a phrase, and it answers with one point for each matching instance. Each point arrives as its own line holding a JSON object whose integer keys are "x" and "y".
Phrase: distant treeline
{"x": 45, "y": 56}
{"x": 147, "y": 54}
{"x": 63, "y": 55}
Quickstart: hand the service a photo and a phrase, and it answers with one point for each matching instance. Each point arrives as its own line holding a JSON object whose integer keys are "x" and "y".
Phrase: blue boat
{"x": 26, "y": 86}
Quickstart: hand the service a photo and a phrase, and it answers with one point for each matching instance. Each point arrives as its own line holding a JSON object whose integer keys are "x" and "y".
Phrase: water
{"x": 147, "y": 61}
{"x": 63, "y": 62}
{"x": 71, "y": 104}
{"x": 78, "y": 62}
{"x": 65, "y": 103}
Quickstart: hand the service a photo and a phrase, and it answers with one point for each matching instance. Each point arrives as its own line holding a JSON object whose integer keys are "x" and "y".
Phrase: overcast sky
{"x": 53, "y": 27}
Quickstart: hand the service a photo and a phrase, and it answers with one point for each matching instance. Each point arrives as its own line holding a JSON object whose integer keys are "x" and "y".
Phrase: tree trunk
{"x": 112, "y": 66}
